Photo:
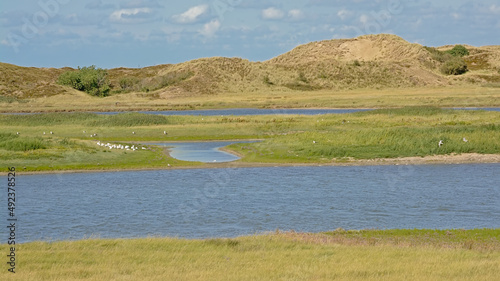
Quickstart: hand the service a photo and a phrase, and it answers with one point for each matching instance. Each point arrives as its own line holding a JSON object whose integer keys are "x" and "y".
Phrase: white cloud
{"x": 364, "y": 19}
{"x": 6, "y": 43}
{"x": 130, "y": 15}
{"x": 495, "y": 9}
{"x": 295, "y": 14}
{"x": 191, "y": 15}
{"x": 272, "y": 14}
{"x": 209, "y": 29}
{"x": 344, "y": 14}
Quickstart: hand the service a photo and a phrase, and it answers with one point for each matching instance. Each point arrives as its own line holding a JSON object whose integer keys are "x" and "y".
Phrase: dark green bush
{"x": 458, "y": 51}
{"x": 455, "y": 66}
{"x": 91, "y": 80}
{"x": 451, "y": 64}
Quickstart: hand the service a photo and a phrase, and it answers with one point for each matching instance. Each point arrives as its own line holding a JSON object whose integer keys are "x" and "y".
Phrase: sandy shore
{"x": 467, "y": 158}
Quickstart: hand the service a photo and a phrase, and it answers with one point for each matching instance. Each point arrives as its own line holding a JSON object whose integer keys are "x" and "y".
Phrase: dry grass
{"x": 279, "y": 256}
{"x": 460, "y": 96}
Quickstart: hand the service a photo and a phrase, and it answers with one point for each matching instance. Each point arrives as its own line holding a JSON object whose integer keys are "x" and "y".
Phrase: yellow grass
{"x": 279, "y": 256}
{"x": 466, "y": 96}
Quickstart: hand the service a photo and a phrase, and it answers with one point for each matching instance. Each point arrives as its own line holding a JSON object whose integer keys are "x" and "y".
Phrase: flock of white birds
{"x": 119, "y": 146}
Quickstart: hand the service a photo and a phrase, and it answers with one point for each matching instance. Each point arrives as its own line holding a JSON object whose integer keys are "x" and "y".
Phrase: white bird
{"x": 465, "y": 140}
{"x": 17, "y": 133}
{"x": 95, "y": 135}
{"x": 440, "y": 143}
{"x": 51, "y": 133}
{"x": 164, "y": 132}
{"x": 133, "y": 133}
{"x": 98, "y": 143}
{"x": 143, "y": 147}
{"x": 314, "y": 141}
{"x": 84, "y": 132}
{"x": 44, "y": 133}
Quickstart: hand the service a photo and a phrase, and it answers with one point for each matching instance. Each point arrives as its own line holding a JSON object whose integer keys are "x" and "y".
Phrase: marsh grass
{"x": 13, "y": 142}
{"x": 343, "y": 255}
{"x": 385, "y": 133}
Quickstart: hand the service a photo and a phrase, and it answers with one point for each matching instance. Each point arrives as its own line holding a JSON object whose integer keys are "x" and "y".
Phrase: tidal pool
{"x": 207, "y": 151}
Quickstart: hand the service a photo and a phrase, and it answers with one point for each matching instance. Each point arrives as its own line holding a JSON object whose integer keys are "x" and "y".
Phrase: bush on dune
{"x": 92, "y": 80}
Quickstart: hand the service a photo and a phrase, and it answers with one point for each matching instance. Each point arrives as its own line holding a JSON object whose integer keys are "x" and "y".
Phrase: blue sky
{"x": 138, "y": 33}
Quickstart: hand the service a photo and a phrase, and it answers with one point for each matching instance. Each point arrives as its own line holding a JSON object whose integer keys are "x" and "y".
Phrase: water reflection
{"x": 208, "y": 152}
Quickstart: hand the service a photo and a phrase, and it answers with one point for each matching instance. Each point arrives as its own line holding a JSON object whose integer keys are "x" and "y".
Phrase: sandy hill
{"x": 382, "y": 47}
{"x": 370, "y": 61}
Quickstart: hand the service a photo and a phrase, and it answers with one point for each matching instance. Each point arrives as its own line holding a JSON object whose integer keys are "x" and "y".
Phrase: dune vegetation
{"x": 371, "y": 71}
{"x": 287, "y": 139}
{"x": 337, "y": 255}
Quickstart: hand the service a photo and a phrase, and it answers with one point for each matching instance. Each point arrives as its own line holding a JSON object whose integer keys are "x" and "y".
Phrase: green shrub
{"x": 91, "y": 80}
{"x": 438, "y": 55}
{"x": 128, "y": 83}
{"x": 455, "y": 66}
{"x": 458, "y": 51}
{"x": 452, "y": 64}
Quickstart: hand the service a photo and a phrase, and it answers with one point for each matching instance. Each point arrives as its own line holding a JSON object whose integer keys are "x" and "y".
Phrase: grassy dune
{"x": 369, "y": 71}
{"x": 386, "y": 133}
{"x": 338, "y": 255}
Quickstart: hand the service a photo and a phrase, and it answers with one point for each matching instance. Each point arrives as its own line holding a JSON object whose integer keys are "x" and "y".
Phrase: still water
{"x": 259, "y": 111}
{"x": 200, "y": 203}
{"x": 202, "y": 151}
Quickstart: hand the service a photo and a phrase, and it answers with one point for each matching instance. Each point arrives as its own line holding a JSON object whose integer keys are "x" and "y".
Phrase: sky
{"x": 138, "y": 33}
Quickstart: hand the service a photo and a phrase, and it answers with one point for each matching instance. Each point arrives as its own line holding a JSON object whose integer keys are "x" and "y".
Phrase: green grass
{"x": 339, "y": 255}
{"x": 384, "y": 133}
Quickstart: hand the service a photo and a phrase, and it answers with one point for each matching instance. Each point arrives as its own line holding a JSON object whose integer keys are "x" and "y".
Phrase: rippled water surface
{"x": 230, "y": 202}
